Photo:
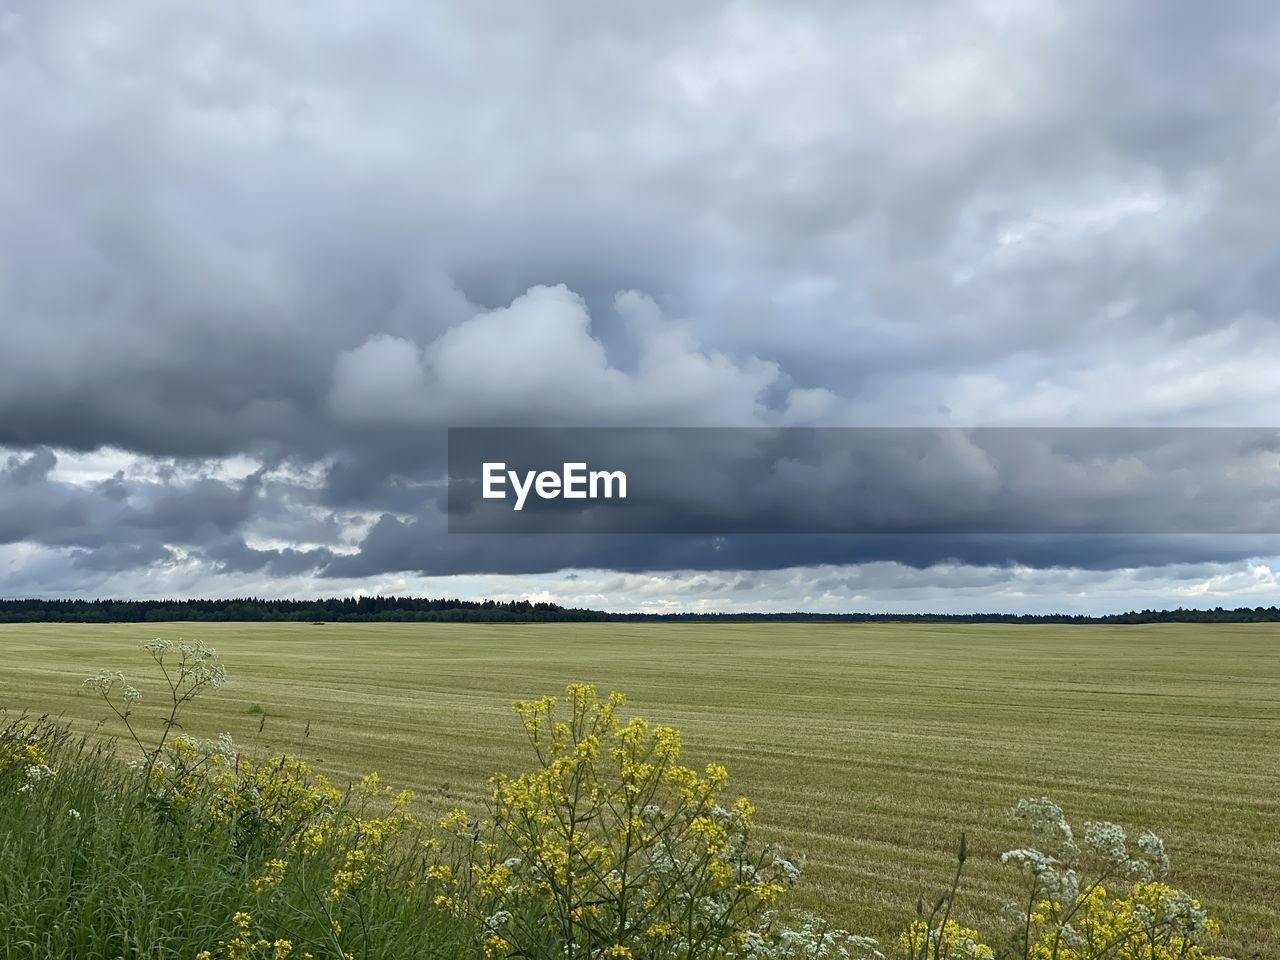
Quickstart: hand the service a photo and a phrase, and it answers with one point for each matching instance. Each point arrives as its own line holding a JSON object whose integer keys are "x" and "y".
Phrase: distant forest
{"x": 251, "y": 608}
{"x": 349, "y": 609}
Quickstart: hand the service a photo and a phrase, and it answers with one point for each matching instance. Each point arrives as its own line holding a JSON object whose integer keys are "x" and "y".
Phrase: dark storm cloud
{"x": 115, "y": 557}
{"x": 125, "y": 523}
{"x": 317, "y": 236}
{"x": 419, "y": 546}
{"x": 877, "y": 480}
{"x": 232, "y": 555}
{"x": 131, "y": 524}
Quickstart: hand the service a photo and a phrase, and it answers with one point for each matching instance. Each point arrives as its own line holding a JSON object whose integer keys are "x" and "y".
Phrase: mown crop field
{"x": 866, "y": 748}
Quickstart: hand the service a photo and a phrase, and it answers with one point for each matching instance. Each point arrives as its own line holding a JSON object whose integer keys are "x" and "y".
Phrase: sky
{"x": 255, "y": 258}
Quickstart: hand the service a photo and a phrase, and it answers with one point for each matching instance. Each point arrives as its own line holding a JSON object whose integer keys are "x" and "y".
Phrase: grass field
{"x": 867, "y": 748}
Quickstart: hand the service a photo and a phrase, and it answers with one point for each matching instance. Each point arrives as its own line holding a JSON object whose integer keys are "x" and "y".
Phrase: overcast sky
{"x": 255, "y": 257}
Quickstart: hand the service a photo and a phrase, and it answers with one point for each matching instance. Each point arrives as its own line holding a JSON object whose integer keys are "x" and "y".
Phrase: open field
{"x": 867, "y": 748}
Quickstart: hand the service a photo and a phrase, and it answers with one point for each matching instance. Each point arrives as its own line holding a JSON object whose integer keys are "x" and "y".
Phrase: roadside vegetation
{"x": 164, "y": 844}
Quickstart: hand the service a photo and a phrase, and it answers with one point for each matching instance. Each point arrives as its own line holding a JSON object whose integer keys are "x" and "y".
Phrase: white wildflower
{"x": 1108, "y": 842}
{"x": 1152, "y": 848}
{"x": 1032, "y": 861}
{"x": 103, "y": 683}
{"x": 1044, "y": 817}
{"x": 813, "y": 939}
{"x": 1053, "y": 878}
{"x": 497, "y": 920}
{"x": 789, "y": 869}
{"x": 1184, "y": 915}
{"x": 754, "y": 944}
{"x": 226, "y": 747}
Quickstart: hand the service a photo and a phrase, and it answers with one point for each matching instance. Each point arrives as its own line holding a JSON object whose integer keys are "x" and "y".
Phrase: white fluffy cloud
{"x": 539, "y": 361}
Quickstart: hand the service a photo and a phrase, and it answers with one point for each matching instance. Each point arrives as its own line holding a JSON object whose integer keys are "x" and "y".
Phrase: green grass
{"x": 867, "y": 748}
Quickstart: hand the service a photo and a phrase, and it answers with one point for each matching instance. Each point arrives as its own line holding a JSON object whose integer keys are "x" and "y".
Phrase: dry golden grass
{"x": 867, "y": 748}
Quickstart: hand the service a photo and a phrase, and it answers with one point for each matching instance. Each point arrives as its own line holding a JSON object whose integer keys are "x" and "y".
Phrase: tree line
{"x": 1180, "y": 615}
{"x": 254, "y": 609}
{"x": 454, "y": 610}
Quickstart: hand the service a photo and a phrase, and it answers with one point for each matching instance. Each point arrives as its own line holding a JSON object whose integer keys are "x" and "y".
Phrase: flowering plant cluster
{"x": 609, "y": 847}
{"x": 612, "y": 841}
{"x": 948, "y": 939}
{"x": 188, "y": 669}
{"x": 23, "y": 757}
{"x": 1091, "y": 895}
